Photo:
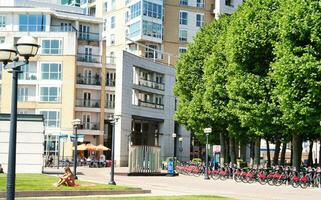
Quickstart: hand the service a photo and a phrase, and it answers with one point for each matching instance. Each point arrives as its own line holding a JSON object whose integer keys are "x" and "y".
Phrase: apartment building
{"x": 67, "y": 79}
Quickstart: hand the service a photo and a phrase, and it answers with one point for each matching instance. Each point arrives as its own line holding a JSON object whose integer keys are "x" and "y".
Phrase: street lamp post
{"x": 75, "y": 123}
{"x": 174, "y": 136}
{"x": 113, "y": 121}
{"x": 181, "y": 148}
{"x": 207, "y": 131}
{"x": 26, "y": 47}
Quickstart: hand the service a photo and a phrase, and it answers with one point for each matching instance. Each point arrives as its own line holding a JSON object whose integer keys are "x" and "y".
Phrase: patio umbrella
{"x": 91, "y": 147}
{"x": 102, "y": 148}
{"x": 81, "y": 147}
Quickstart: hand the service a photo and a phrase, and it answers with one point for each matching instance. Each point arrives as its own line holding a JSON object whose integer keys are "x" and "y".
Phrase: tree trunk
{"x": 320, "y": 154}
{"x": 252, "y": 153}
{"x": 310, "y": 159}
{"x": 227, "y": 150}
{"x": 257, "y": 152}
{"x": 232, "y": 149}
{"x": 282, "y": 161}
{"x": 223, "y": 149}
{"x": 237, "y": 148}
{"x": 243, "y": 151}
{"x": 268, "y": 154}
{"x": 291, "y": 153}
{"x": 297, "y": 150}
{"x": 276, "y": 153}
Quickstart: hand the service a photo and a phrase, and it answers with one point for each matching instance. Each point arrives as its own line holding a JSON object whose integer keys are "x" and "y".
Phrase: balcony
{"x": 88, "y": 103}
{"x": 110, "y": 104}
{"x": 151, "y": 84}
{"x": 88, "y": 36}
{"x": 110, "y": 82}
{"x": 26, "y": 98}
{"x": 150, "y": 105}
{"x": 89, "y": 126}
{"x": 88, "y": 58}
{"x": 58, "y": 28}
{"x": 28, "y": 76}
{"x": 88, "y": 80}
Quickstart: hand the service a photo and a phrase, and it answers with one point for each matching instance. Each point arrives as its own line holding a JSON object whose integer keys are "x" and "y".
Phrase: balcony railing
{"x": 88, "y": 36}
{"x": 88, "y": 58}
{"x": 89, "y": 126}
{"x": 58, "y": 28}
{"x": 28, "y": 76}
{"x": 151, "y": 84}
{"x": 88, "y": 103}
{"x": 110, "y": 82}
{"x": 88, "y": 80}
{"x": 26, "y": 98}
{"x": 110, "y": 60}
{"x": 110, "y": 104}
{"x": 150, "y": 104}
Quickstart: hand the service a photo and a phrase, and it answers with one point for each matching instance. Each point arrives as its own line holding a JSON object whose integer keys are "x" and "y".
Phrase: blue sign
{"x": 170, "y": 167}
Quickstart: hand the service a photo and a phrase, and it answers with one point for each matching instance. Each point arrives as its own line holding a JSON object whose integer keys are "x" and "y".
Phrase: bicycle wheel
{"x": 262, "y": 181}
{"x": 250, "y": 179}
{"x": 304, "y": 184}
{"x": 237, "y": 178}
{"x": 215, "y": 176}
{"x": 223, "y": 177}
{"x": 295, "y": 184}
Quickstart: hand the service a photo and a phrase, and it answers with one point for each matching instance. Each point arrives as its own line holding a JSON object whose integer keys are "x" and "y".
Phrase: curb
{"x": 54, "y": 193}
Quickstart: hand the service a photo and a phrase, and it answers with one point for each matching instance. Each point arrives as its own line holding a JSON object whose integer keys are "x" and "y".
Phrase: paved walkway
{"x": 188, "y": 185}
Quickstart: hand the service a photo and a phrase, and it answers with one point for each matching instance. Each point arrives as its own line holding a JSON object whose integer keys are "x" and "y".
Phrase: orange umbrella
{"x": 91, "y": 147}
{"x": 81, "y": 147}
{"x": 102, "y": 148}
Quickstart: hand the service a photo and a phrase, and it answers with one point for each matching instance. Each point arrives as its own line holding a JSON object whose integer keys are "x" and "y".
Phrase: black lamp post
{"x": 26, "y": 47}
{"x": 113, "y": 121}
{"x": 75, "y": 124}
{"x": 174, "y": 136}
{"x": 207, "y": 131}
{"x": 181, "y": 148}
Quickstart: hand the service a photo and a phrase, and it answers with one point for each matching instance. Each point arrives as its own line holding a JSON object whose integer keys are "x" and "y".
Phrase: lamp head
{"x": 174, "y": 135}
{"x": 76, "y": 122}
{"x": 27, "y": 47}
{"x": 7, "y": 53}
{"x": 180, "y": 139}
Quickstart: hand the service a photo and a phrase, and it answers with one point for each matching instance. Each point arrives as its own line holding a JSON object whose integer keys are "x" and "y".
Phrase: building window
{"x": 51, "y": 47}
{"x": 228, "y": 2}
{"x": 151, "y": 51}
{"x": 105, "y": 24}
{"x": 182, "y": 50}
{"x": 199, "y": 20}
{"x": 112, "y": 22}
{"x": 51, "y": 118}
{"x": 200, "y": 3}
{"x": 183, "y": 2}
{"x": 113, "y": 4}
{"x": 135, "y": 10}
{"x": 152, "y": 29}
{"x": 112, "y": 39}
{"x": 50, "y": 94}
{"x": 112, "y": 57}
{"x": 183, "y": 18}
{"x": 134, "y": 29}
{"x": 50, "y": 71}
{"x": 2, "y": 40}
{"x": 183, "y": 35}
{"x": 2, "y": 21}
{"x": 32, "y": 23}
{"x": 152, "y": 10}
{"x": 23, "y": 93}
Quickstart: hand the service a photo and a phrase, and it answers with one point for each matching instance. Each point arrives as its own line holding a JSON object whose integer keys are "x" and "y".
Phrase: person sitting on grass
{"x": 1, "y": 169}
{"x": 68, "y": 179}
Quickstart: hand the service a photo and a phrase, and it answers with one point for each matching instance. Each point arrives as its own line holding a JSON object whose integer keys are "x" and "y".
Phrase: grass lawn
{"x": 151, "y": 198}
{"x": 46, "y": 182}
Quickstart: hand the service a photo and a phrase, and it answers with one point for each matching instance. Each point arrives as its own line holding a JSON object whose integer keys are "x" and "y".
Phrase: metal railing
{"x": 89, "y": 126}
{"x": 110, "y": 82}
{"x": 88, "y": 36}
{"x": 88, "y": 103}
{"x": 88, "y": 58}
{"x": 28, "y": 76}
{"x": 26, "y": 98}
{"x": 88, "y": 80}
{"x": 58, "y": 28}
{"x": 150, "y": 104}
{"x": 110, "y": 104}
{"x": 151, "y": 84}
{"x": 158, "y": 55}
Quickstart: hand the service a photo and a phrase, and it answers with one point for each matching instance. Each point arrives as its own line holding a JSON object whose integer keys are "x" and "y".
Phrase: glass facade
{"x": 134, "y": 29}
{"x": 153, "y": 10}
{"x": 32, "y": 23}
{"x": 50, "y": 71}
{"x": 135, "y": 10}
{"x": 183, "y": 35}
{"x": 2, "y": 21}
{"x": 183, "y": 18}
{"x": 51, "y": 118}
{"x": 152, "y": 29}
{"x": 199, "y": 20}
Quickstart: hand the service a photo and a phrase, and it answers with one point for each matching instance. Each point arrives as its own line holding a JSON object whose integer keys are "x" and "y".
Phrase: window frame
{"x": 50, "y": 50}
{"x": 46, "y": 98}
{"x": 59, "y": 72}
{"x": 182, "y": 20}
